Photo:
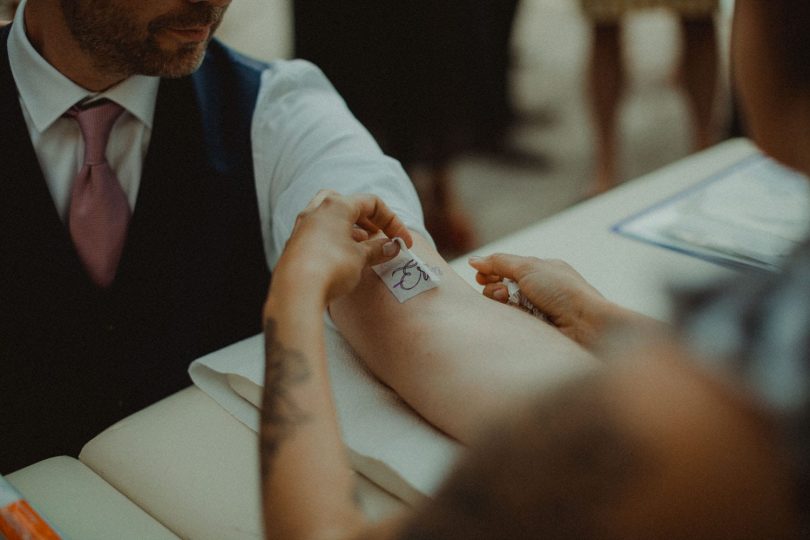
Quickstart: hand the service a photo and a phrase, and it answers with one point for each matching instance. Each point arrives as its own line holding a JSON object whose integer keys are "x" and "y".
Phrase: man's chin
{"x": 185, "y": 68}
{"x": 180, "y": 63}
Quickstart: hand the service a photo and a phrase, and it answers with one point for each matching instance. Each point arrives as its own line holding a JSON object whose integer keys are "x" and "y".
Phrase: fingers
{"x": 501, "y": 265}
{"x": 374, "y": 213}
{"x": 359, "y": 235}
{"x": 485, "y": 279}
{"x": 379, "y": 250}
{"x": 366, "y": 211}
{"x": 497, "y": 291}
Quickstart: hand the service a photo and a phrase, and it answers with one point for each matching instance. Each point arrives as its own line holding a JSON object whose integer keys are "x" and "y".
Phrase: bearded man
{"x": 150, "y": 179}
{"x": 150, "y": 176}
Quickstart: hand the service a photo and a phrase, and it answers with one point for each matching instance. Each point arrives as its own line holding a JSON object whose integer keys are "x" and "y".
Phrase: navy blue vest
{"x": 74, "y": 358}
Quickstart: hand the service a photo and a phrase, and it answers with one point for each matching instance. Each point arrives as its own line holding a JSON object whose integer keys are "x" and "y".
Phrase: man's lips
{"x": 196, "y": 33}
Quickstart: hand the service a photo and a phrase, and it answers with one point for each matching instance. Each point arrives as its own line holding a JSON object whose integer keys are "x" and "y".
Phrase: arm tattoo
{"x": 280, "y": 414}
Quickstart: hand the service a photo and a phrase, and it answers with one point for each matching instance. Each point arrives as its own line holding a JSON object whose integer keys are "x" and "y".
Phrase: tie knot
{"x": 95, "y": 123}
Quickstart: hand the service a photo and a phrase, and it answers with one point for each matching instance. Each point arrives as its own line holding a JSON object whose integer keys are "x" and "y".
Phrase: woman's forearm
{"x": 307, "y": 483}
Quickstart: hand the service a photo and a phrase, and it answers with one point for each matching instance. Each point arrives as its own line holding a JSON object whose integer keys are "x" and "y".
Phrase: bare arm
{"x": 306, "y": 478}
{"x": 307, "y": 483}
{"x": 454, "y": 355}
{"x": 568, "y": 301}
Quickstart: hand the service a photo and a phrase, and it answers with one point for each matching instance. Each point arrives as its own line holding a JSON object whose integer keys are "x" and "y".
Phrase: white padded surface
{"x": 195, "y": 468}
{"x": 82, "y": 505}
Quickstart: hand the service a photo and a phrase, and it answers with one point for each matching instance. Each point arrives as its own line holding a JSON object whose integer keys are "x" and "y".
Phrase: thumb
{"x": 380, "y": 250}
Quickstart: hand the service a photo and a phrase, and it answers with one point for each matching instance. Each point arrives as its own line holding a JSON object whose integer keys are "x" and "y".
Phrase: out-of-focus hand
{"x": 334, "y": 239}
{"x": 555, "y": 288}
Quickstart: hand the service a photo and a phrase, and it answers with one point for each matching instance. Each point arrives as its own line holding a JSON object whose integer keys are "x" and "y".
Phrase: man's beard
{"x": 112, "y": 39}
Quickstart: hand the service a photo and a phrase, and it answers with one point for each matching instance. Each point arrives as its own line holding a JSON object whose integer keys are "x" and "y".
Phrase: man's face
{"x": 164, "y": 38}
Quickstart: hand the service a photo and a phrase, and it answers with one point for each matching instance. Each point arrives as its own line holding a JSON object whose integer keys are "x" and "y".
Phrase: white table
{"x": 190, "y": 464}
{"x": 635, "y": 274}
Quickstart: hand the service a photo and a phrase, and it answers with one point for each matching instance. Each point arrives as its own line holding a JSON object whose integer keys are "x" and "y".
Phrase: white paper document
{"x": 754, "y": 214}
{"x": 388, "y": 442}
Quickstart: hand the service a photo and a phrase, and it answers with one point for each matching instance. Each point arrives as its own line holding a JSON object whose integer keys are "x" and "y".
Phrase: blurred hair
{"x": 786, "y": 24}
{"x": 551, "y": 471}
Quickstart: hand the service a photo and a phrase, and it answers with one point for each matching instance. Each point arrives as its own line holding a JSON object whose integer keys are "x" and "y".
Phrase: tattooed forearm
{"x": 284, "y": 369}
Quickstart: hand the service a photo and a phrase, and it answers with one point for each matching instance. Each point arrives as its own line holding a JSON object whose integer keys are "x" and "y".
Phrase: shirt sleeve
{"x": 305, "y": 139}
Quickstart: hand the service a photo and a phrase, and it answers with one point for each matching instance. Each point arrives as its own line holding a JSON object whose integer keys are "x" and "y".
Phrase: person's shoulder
{"x": 218, "y": 50}
{"x": 277, "y": 76}
{"x": 286, "y": 76}
{"x": 294, "y": 69}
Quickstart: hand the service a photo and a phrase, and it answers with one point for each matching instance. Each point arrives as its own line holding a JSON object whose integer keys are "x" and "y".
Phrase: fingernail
{"x": 390, "y": 248}
{"x": 473, "y": 258}
{"x": 500, "y": 295}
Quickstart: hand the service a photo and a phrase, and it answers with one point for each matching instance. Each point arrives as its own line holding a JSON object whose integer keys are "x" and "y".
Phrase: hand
{"x": 565, "y": 298}
{"x": 334, "y": 239}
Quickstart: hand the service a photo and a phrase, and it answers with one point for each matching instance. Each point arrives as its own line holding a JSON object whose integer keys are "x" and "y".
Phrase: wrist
{"x": 600, "y": 319}
{"x": 608, "y": 316}
{"x": 299, "y": 281}
{"x": 291, "y": 294}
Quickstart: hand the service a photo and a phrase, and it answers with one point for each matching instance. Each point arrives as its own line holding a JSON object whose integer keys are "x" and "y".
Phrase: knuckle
{"x": 557, "y": 262}
{"x": 335, "y": 200}
{"x": 328, "y": 196}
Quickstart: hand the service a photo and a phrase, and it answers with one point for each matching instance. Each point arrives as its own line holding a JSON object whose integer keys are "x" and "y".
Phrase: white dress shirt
{"x": 303, "y": 136}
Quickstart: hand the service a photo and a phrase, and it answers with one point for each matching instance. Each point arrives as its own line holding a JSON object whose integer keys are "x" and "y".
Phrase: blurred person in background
{"x": 697, "y": 432}
{"x": 697, "y": 73}
{"x": 428, "y": 79}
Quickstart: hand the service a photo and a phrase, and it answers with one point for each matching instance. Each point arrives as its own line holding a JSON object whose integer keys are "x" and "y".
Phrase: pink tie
{"x": 99, "y": 210}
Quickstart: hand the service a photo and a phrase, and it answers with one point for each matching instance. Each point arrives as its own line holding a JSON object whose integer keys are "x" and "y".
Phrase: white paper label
{"x": 519, "y": 300}
{"x": 406, "y": 275}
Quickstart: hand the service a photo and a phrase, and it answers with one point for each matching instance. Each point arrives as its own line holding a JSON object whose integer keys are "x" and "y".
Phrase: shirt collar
{"x": 47, "y": 94}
